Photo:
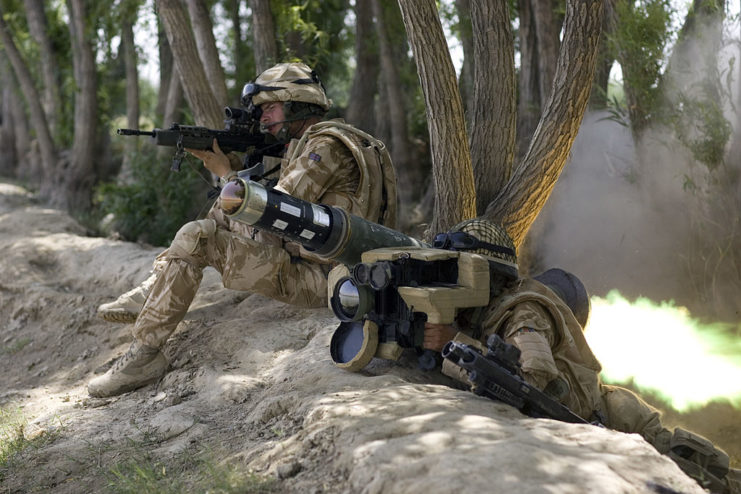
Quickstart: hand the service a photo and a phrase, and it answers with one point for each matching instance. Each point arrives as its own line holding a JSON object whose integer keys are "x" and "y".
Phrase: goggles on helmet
{"x": 466, "y": 241}
{"x": 252, "y": 88}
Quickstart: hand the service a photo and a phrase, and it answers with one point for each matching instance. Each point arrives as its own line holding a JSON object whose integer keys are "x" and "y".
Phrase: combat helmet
{"x": 484, "y": 237}
{"x": 290, "y": 83}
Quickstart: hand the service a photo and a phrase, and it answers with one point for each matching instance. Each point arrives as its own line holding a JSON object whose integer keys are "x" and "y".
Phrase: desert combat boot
{"x": 126, "y": 308}
{"x": 141, "y": 365}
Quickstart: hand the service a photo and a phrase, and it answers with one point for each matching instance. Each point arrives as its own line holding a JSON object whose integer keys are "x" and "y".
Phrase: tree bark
{"x": 173, "y": 105}
{"x": 206, "y": 109}
{"x": 547, "y": 30}
{"x": 203, "y": 30}
{"x": 397, "y": 115}
{"x": 494, "y": 111}
{"x": 174, "y": 98}
{"x": 528, "y": 109}
{"x": 36, "y": 112}
{"x": 451, "y": 159}
{"x": 16, "y": 126}
{"x": 263, "y": 35}
{"x": 523, "y": 197}
{"x": 466, "y": 77}
{"x": 605, "y": 60}
{"x": 365, "y": 80}
{"x": 125, "y": 175}
{"x": 78, "y": 178}
{"x": 166, "y": 68}
{"x": 241, "y": 65}
{"x": 38, "y": 26}
{"x": 8, "y": 156}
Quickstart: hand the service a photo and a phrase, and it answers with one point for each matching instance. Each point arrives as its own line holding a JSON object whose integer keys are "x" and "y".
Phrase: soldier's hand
{"x": 437, "y": 335}
{"x": 215, "y": 161}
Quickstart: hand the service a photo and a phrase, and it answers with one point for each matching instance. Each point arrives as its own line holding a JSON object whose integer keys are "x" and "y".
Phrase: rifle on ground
{"x": 496, "y": 375}
{"x": 241, "y": 132}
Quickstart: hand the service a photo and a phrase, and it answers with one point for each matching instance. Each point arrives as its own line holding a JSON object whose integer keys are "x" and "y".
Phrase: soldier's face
{"x": 272, "y": 116}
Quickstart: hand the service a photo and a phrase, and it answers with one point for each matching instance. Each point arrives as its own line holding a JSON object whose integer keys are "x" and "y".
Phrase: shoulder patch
{"x": 315, "y": 157}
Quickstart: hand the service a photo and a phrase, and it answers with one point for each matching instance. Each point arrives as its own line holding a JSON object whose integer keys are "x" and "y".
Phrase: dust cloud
{"x": 651, "y": 219}
{"x": 606, "y": 226}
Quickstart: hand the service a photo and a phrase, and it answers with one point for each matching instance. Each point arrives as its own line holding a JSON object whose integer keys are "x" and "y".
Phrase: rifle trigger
{"x": 179, "y": 154}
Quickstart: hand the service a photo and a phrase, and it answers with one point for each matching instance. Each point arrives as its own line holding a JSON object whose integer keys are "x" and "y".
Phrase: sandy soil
{"x": 252, "y": 388}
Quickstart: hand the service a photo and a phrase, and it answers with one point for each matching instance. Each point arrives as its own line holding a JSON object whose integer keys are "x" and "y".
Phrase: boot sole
{"x": 106, "y": 393}
{"x": 119, "y": 316}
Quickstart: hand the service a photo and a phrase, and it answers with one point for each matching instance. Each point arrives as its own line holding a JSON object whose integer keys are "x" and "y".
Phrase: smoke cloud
{"x": 650, "y": 220}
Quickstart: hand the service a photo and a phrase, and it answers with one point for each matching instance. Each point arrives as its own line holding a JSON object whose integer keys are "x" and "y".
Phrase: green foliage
{"x": 15, "y": 347}
{"x": 639, "y": 41}
{"x": 14, "y": 441}
{"x": 142, "y": 473}
{"x": 316, "y": 33}
{"x": 700, "y": 125}
{"x": 156, "y": 204}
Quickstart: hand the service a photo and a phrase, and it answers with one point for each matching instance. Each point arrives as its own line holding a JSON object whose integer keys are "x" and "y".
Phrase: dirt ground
{"x": 252, "y": 402}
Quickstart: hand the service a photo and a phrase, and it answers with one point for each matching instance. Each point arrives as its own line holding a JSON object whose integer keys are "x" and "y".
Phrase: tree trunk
{"x": 523, "y": 197}
{"x": 242, "y": 65}
{"x": 38, "y": 26}
{"x": 166, "y": 68}
{"x": 173, "y": 105}
{"x": 203, "y": 30}
{"x": 397, "y": 116}
{"x": 78, "y": 178}
{"x": 528, "y": 108}
{"x": 494, "y": 111}
{"x": 451, "y": 159}
{"x": 8, "y": 156}
{"x": 547, "y": 30}
{"x": 263, "y": 35}
{"x": 36, "y": 112}
{"x": 605, "y": 59}
{"x": 15, "y": 121}
{"x": 365, "y": 80}
{"x": 466, "y": 77}
{"x": 206, "y": 109}
{"x": 125, "y": 175}
{"x": 174, "y": 98}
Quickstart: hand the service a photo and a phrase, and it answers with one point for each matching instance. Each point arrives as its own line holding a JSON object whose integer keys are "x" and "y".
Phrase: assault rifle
{"x": 241, "y": 132}
{"x": 496, "y": 375}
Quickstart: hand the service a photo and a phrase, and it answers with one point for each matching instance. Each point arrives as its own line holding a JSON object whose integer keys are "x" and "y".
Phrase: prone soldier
{"x": 466, "y": 292}
{"x": 545, "y": 322}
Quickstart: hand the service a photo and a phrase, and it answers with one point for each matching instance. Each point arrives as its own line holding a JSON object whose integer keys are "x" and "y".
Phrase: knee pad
{"x": 187, "y": 239}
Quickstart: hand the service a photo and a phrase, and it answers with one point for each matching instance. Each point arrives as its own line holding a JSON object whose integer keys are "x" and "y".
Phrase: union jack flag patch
{"x": 315, "y": 157}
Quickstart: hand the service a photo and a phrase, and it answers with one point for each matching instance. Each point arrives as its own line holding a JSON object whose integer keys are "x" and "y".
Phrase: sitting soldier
{"x": 555, "y": 358}
{"x": 326, "y": 162}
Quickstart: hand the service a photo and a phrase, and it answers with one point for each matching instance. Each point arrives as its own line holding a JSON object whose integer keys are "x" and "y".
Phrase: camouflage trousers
{"x": 244, "y": 264}
{"x": 627, "y": 412}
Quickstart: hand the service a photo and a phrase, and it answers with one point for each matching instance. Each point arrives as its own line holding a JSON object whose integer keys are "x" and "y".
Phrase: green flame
{"x": 661, "y": 348}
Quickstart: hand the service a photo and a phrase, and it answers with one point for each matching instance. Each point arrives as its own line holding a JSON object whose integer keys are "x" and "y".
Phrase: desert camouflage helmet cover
{"x": 492, "y": 233}
{"x": 289, "y": 82}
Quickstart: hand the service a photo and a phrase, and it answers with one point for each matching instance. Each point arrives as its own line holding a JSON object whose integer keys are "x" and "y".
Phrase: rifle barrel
{"x": 134, "y": 132}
